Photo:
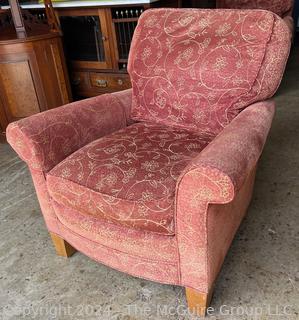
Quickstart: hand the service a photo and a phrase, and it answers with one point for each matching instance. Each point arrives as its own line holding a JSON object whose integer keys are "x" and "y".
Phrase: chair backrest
{"x": 198, "y": 69}
{"x": 280, "y": 7}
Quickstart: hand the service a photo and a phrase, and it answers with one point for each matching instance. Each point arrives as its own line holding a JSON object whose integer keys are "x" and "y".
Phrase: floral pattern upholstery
{"x": 192, "y": 153}
{"x": 281, "y": 7}
{"x": 104, "y": 241}
{"x": 222, "y": 174}
{"x": 128, "y": 177}
{"x": 199, "y": 68}
{"x": 45, "y": 139}
{"x": 112, "y": 235}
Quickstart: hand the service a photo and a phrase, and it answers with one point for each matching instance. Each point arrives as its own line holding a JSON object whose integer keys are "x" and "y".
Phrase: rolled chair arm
{"x": 229, "y": 158}
{"x": 213, "y": 193}
{"x": 45, "y": 139}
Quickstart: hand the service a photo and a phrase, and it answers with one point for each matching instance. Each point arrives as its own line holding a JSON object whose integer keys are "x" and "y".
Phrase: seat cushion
{"x": 128, "y": 177}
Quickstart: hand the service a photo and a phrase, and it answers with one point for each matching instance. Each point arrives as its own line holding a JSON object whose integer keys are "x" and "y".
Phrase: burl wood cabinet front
{"x": 33, "y": 77}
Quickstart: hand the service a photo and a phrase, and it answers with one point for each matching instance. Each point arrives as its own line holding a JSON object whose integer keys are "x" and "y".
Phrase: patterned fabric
{"x": 222, "y": 174}
{"x": 44, "y": 199}
{"x": 104, "y": 241}
{"x": 198, "y": 68}
{"x": 128, "y": 177}
{"x": 45, "y": 139}
{"x": 151, "y": 269}
{"x": 111, "y": 235}
{"x": 195, "y": 187}
{"x": 280, "y": 7}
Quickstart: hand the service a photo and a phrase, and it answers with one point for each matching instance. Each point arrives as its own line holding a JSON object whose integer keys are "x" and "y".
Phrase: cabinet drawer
{"x": 110, "y": 82}
{"x": 79, "y": 81}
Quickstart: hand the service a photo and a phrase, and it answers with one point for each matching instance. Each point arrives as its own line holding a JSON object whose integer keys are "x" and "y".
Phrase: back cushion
{"x": 198, "y": 68}
{"x": 280, "y": 7}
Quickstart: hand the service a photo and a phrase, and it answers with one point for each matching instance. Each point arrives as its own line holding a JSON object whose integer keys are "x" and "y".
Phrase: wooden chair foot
{"x": 62, "y": 247}
{"x": 198, "y": 302}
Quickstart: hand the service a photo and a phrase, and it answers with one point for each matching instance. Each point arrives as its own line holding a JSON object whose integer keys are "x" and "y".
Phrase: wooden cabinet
{"x": 3, "y": 119}
{"x": 110, "y": 82}
{"x": 97, "y": 44}
{"x": 86, "y": 38}
{"x": 96, "y": 40}
{"x": 93, "y": 83}
{"x": 33, "y": 76}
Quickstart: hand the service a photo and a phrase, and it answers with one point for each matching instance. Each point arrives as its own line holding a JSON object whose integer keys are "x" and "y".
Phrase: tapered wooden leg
{"x": 198, "y": 302}
{"x": 62, "y": 247}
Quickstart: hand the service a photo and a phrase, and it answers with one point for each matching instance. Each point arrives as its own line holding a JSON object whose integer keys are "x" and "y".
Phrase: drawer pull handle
{"x": 76, "y": 81}
{"x": 101, "y": 83}
{"x": 120, "y": 82}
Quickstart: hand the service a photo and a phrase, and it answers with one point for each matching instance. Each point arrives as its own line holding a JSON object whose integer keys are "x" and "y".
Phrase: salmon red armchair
{"x": 154, "y": 181}
{"x": 283, "y": 8}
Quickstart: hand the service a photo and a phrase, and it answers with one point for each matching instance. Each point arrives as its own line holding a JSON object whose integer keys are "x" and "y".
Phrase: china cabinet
{"x": 33, "y": 74}
{"x": 96, "y": 39}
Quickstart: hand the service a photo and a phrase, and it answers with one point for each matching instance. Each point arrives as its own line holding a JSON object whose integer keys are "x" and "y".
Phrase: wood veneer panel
{"x": 19, "y": 88}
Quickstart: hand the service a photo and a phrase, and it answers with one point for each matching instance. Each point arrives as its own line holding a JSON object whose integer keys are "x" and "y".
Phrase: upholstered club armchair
{"x": 283, "y": 8}
{"x": 154, "y": 181}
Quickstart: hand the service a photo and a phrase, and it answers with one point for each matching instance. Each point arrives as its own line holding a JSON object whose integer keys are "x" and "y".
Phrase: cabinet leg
{"x": 198, "y": 302}
{"x": 62, "y": 247}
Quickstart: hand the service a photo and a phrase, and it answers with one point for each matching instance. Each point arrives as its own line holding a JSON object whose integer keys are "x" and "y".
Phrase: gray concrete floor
{"x": 260, "y": 275}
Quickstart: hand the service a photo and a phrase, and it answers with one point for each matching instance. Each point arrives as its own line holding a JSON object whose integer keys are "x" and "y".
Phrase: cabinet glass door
{"x": 85, "y": 40}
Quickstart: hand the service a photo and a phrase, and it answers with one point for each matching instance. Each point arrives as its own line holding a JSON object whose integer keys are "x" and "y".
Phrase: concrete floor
{"x": 260, "y": 274}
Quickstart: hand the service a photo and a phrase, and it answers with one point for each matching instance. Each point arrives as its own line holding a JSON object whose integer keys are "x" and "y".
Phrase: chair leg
{"x": 198, "y": 302}
{"x": 62, "y": 247}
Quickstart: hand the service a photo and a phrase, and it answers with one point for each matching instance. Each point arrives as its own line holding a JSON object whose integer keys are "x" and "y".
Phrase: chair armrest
{"x": 213, "y": 193}
{"x": 229, "y": 158}
{"x": 45, "y": 139}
